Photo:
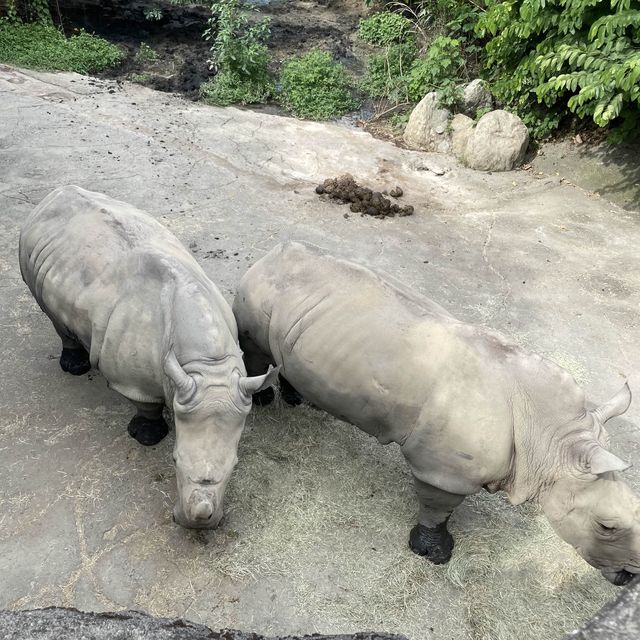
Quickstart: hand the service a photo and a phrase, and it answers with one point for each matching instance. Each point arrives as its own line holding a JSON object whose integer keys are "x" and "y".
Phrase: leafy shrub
{"x": 385, "y": 28}
{"x": 314, "y": 86}
{"x": 26, "y": 10}
{"x": 228, "y": 88}
{"x": 153, "y": 14}
{"x": 239, "y": 56}
{"x": 551, "y": 58}
{"x": 386, "y": 75}
{"x": 462, "y": 27}
{"x": 145, "y": 54}
{"x": 40, "y": 45}
{"x": 397, "y": 74}
{"x": 438, "y": 70}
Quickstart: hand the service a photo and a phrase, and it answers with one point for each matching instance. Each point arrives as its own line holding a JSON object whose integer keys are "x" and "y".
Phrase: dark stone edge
{"x": 51, "y": 623}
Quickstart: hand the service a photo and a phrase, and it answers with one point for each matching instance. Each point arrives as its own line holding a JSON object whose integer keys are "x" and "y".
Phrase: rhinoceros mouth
{"x": 622, "y": 577}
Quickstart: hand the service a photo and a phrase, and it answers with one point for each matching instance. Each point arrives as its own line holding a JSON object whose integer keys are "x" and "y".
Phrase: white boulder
{"x": 428, "y": 126}
{"x": 498, "y": 142}
{"x": 461, "y": 129}
{"x": 475, "y": 96}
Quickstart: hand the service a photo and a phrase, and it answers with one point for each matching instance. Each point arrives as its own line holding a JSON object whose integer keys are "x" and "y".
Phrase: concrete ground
{"x": 318, "y": 515}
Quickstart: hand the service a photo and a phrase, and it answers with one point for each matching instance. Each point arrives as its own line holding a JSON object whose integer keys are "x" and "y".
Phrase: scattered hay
{"x": 363, "y": 200}
{"x": 329, "y": 510}
{"x": 315, "y": 539}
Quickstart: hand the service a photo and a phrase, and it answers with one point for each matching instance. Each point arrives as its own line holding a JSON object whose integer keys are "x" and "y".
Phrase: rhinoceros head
{"x": 592, "y": 508}
{"x": 210, "y": 405}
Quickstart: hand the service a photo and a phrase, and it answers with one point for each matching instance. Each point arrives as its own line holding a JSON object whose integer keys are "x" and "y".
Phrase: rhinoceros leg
{"x": 288, "y": 393}
{"x": 148, "y": 426}
{"x": 74, "y": 358}
{"x": 256, "y": 363}
{"x": 430, "y": 537}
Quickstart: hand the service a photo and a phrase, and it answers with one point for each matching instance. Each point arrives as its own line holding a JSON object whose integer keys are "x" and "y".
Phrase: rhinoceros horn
{"x": 603, "y": 461}
{"x": 185, "y": 384}
{"x": 616, "y": 406}
{"x": 253, "y": 384}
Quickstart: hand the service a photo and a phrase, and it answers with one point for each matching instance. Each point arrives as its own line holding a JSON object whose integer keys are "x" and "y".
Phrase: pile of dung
{"x": 363, "y": 200}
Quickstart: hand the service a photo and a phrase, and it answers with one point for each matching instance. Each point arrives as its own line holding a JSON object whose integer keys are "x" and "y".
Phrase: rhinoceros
{"x": 125, "y": 296}
{"x": 469, "y": 409}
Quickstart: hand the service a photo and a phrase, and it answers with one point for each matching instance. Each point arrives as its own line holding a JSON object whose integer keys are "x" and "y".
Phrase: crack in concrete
{"x": 495, "y": 308}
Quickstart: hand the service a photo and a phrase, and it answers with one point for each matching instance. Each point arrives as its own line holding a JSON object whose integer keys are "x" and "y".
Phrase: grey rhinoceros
{"x": 469, "y": 409}
{"x": 125, "y": 296}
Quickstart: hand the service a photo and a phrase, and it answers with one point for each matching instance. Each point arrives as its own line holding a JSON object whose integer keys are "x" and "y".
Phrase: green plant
{"x": 153, "y": 14}
{"x": 145, "y": 54}
{"x": 314, "y": 86}
{"x": 43, "y": 46}
{"x": 552, "y": 58}
{"x": 227, "y": 88}
{"x": 385, "y": 28}
{"x": 26, "y": 10}
{"x": 239, "y": 56}
{"x": 386, "y": 75}
{"x": 141, "y": 78}
{"x": 399, "y": 121}
{"x": 482, "y": 111}
{"x": 440, "y": 69}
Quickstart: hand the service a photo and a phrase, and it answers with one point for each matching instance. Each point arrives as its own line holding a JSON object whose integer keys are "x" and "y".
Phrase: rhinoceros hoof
{"x": 264, "y": 397}
{"x": 75, "y": 361}
{"x": 147, "y": 432}
{"x": 289, "y": 394}
{"x": 435, "y": 544}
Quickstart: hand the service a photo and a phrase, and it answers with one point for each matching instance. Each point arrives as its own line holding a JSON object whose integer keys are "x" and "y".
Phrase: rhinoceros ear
{"x": 249, "y": 386}
{"x": 185, "y": 385}
{"x": 616, "y": 406}
{"x": 603, "y": 461}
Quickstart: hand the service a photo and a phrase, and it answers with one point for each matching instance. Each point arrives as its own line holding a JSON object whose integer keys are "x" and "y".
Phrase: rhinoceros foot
{"x": 288, "y": 393}
{"x": 436, "y": 543}
{"x": 148, "y": 431}
{"x": 264, "y": 397}
{"x": 75, "y": 361}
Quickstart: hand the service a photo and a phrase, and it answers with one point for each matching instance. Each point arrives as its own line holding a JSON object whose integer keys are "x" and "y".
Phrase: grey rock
{"x": 498, "y": 143}
{"x": 461, "y": 129}
{"x": 475, "y": 96}
{"x": 55, "y": 623}
{"x": 428, "y": 125}
{"x": 618, "y": 620}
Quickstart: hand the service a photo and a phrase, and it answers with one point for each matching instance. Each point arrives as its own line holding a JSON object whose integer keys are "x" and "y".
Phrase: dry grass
{"x": 315, "y": 538}
{"x": 314, "y": 493}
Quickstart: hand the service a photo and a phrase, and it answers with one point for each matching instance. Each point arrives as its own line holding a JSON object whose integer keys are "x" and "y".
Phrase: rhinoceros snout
{"x": 198, "y": 513}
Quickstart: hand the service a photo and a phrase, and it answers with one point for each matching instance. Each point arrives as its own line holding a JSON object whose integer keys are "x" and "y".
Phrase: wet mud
{"x": 164, "y": 45}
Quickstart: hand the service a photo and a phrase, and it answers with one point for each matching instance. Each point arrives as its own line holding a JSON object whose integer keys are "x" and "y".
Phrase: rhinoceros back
{"x": 348, "y": 338}
{"x": 106, "y": 274}
{"x": 384, "y": 358}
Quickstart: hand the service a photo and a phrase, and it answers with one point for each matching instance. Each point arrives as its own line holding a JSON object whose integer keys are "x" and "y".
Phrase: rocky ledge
{"x": 55, "y": 623}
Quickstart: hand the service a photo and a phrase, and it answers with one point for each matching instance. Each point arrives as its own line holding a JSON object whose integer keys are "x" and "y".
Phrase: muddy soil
{"x": 166, "y": 51}
{"x": 163, "y": 43}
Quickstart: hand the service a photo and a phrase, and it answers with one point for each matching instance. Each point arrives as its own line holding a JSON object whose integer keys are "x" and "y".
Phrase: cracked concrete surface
{"x": 318, "y": 515}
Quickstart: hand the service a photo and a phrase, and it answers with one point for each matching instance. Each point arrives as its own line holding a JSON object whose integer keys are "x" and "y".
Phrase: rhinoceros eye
{"x": 605, "y": 528}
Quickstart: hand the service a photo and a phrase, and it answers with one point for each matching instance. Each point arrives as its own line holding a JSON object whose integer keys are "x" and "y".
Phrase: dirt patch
{"x": 363, "y": 200}
{"x": 165, "y": 49}
{"x": 163, "y": 43}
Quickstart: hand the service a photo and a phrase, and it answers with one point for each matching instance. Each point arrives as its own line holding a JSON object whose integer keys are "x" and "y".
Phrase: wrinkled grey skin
{"x": 469, "y": 409}
{"x": 114, "y": 281}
